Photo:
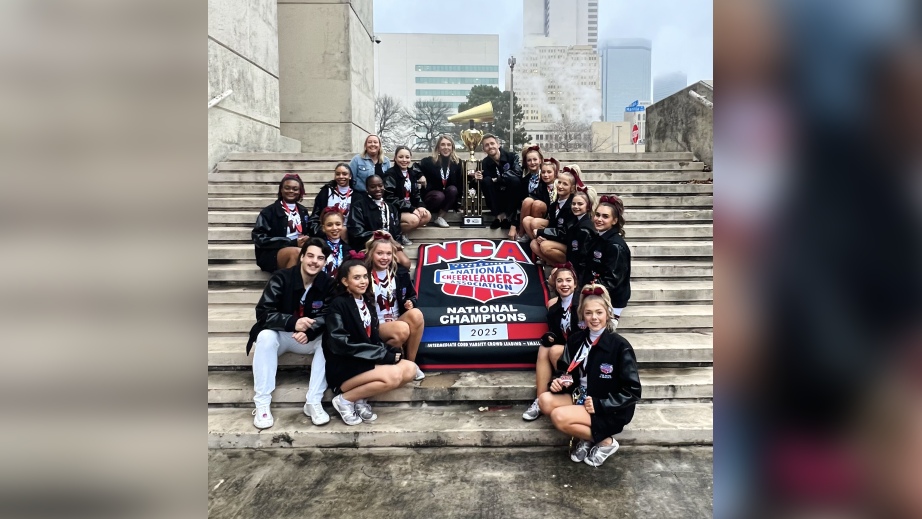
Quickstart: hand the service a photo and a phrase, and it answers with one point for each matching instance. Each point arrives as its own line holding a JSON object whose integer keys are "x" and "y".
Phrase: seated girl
{"x": 331, "y": 230}
{"x": 443, "y": 176}
{"x": 359, "y": 364}
{"x": 282, "y": 227}
{"x": 401, "y": 323}
{"x": 559, "y": 215}
{"x": 561, "y": 323}
{"x": 553, "y": 242}
{"x": 541, "y": 193}
{"x": 370, "y": 213}
{"x": 401, "y": 191}
{"x": 337, "y": 194}
{"x": 596, "y": 385}
{"x": 608, "y": 258}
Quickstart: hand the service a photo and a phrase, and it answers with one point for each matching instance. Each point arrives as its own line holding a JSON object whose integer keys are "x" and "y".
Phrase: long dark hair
{"x": 332, "y": 183}
{"x": 291, "y": 176}
{"x": 339, "y": 289}
{"x": 617, "y": 209}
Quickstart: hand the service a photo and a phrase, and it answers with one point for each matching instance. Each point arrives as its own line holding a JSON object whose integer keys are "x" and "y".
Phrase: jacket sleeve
{"x": 628, "y": 382}
{"x": 316, "y": 329}
{"x": 262, "y": 233}
{"x": 340, "y": 344}
{"x": 407, "y": 282}
{"x": 357, "y": 183}
{"x": 416, "y": 198}
{"x": 320, "y": 202}
{"x": 393, "y": 191}
{"x": 267, "y": 309}
{"x": 513, "y": 173}
{"x": 562, "y": 364}
{"x": 358, "y": 228}
{"x": 616, "y": 264}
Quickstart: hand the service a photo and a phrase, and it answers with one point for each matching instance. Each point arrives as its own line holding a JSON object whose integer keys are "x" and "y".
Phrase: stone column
{"x": 326, "y": 73}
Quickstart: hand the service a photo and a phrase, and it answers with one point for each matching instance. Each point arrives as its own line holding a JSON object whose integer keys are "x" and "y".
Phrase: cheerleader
{"x": 581, "y": 234}
{"x": 559, "y": 218}
{"x": 338, "y": 194}
{"x": 370, "y": 213}
{"x": 531, "y": 172}
{"x": 331, "y": 230}
{"x": 553, "y": 242}
{"x": 401, "y": 323}
{"x": 561, "y": 322}
{"x": 607, "y": 257}
{"x": 281, "y": 228}
{"x": 541, "y": 192}
{"x": 596, "y": 385}
{"x": 401, "y": 191}
{"x": 442, "y": 175}
{"x": 359, "y": 365}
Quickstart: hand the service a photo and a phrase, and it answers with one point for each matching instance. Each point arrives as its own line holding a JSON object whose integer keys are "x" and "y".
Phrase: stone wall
{"x": 243, "y": 56}
{"x": 682, "y": 123}
{"x": 326, "y": 63}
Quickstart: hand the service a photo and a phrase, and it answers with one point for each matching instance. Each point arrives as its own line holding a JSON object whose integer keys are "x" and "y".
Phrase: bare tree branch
{"x": 430, "y": 119}
{"x": 571, "y": 135}
{"x": 392, "y": 122}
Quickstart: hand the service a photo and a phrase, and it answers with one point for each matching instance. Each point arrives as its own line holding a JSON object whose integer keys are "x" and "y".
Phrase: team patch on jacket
{"x": 560, "y": 221}
{"x": 606, "y": 368}
{"x": 574, "y": 244}
{"x": 597, "y": 254}
{"x": 316, "y": 304}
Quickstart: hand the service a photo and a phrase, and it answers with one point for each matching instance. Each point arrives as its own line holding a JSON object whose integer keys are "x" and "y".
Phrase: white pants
{"x": 271, "y": 344}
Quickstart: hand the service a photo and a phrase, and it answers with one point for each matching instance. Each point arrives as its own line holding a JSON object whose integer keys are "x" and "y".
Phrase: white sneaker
{"x": 533, "y": 412}
{"x": 316, "y": 413}
{"x": 346, "y": 410}
{"x": 405, "y": 241}
{"x": 580, "y": 451}
{"x": 599, "y": 454}
{"x": 262, "y": 417}
{"x": 441, "y": 222}
{"x": 419, "y": 374}
{"x": 363, "y": 409}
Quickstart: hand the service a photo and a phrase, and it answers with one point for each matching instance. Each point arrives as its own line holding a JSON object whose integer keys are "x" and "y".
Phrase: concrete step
{"x": 251, "y": 189}
{"x": 641, "y": 291}
{"x": 630, "y": 202}
{"x": 298, "y": 166}
{"x": 449, "y": 426}
{"x": 639, "y": 250}
{"x": 248, "y": 273}
{"x": 228, "y": 351}
{"x": 571, "y": 156}
{"x": 320, "y": 175}
{"x": 240, "y": 317}
{"x": 429, "y": 234}
{"x": 236, "y": 387}
{"x": 247, "y": 218}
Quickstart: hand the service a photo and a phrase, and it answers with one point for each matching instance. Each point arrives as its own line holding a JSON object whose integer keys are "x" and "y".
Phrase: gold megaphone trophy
{"x": 471, "y": 137}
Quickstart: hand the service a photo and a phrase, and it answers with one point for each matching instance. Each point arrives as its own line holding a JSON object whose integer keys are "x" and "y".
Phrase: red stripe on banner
{"x": 526, "y": 331}
{"x": 477, "y": 366}
{"x": 419, "y": 264}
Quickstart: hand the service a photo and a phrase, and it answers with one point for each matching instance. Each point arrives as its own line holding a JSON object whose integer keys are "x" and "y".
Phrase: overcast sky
{"x": 681, "y": 30}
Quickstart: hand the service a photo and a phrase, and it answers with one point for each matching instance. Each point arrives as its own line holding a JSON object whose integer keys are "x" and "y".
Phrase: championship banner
{"x": 484, "y": 305}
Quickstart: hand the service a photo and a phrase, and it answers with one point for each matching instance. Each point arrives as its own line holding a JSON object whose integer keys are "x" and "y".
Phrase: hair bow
{"x": 381, "y": 235}
{"x": 357, "y": 255}
{"x": 567, "y": 265}
{"x": 289, "y": 176}
{"x": 579, "y": 182}
{"x": 553, "y": 161}
{"x": 532, "y": 148}
{"x": 597, "y": 291}
{"x": 331, "y": 209}
{"x": 610, "y": 199}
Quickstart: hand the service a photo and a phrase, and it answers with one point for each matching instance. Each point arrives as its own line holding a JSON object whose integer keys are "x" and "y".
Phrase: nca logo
{"x": 482, "y": 280}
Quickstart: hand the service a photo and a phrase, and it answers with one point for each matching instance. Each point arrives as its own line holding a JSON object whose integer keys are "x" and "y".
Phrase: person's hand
{"x": 300, "y": 337}
{"x": 421, "y": 181}
{"x": 422, "y": 213}
{"x": 540, "y": 239}
{"x": 556, "y": 386}
{"x": 588, "y": 405}
{"x": 301, "y": 239}
{"x": 478, "y": 175}
{"x": 303, "y": 324}
{"x": 408, "y": 305}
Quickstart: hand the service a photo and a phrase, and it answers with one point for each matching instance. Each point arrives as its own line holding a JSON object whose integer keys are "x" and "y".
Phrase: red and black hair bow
{"x": 381, "y": 235}
{"x": 597, "y": 291}
{"x": 357, "y": 255}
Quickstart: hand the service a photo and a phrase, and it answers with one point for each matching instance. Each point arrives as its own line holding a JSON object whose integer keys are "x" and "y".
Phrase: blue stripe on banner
{"x": 440, "y": 334}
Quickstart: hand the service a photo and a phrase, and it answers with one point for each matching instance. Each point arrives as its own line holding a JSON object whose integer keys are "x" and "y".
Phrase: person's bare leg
{"x": 287, "y": 257}
{"x": 547, "y": 359}
{"x": 548, "y": 401}
{"x": 554, "y": 253}
{"x": 536, "y": 225}
{"x": 394, "y": 333}
{"x": 379, "y": 380}
{"x": 408, "y": 222}
{"x": 414, "y": 320}
{"x": 573, "y": 420}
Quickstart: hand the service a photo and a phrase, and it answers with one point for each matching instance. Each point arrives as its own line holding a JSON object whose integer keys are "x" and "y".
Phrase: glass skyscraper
{"x": 626, "y": 75}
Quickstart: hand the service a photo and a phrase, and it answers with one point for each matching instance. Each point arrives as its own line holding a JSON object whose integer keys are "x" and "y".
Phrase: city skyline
{"x": 681, "y": 30}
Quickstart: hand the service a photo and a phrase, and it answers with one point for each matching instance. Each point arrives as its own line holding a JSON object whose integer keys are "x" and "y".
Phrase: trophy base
{"x": 469, "y": 222}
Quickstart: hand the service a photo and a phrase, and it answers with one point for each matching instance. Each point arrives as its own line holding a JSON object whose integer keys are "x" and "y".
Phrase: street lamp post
{"x": 511, "y": 101}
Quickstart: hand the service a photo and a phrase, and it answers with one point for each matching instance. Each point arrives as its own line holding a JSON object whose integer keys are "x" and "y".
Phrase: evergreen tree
{"x": 481, "y": 94}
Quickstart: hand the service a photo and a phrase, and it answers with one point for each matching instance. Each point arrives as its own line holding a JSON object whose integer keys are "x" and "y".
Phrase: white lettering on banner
{"x": 482, "y": 318}
{"x": 497, "y": 332}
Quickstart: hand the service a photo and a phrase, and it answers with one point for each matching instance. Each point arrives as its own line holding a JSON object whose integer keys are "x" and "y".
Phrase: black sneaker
{"x": 506, "y": 224}
{"x": 496, "y": 223}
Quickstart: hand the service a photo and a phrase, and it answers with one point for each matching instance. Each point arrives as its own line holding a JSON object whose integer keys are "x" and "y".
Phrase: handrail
{"x": 217, "y": 99}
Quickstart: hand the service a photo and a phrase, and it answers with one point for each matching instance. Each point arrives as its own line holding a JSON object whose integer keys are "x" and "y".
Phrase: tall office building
{"x": 560, "y": 22}
{"x": 444, "y": 67}
{"x": 625, "y": 75}
{"x": 667, "y": 84}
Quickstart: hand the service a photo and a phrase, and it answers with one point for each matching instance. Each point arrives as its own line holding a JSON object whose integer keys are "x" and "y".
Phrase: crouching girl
{"x": 596, "y": 386}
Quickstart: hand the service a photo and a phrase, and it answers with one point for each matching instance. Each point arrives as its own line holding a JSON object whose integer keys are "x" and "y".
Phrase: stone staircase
{"x": 668, "y": 209}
